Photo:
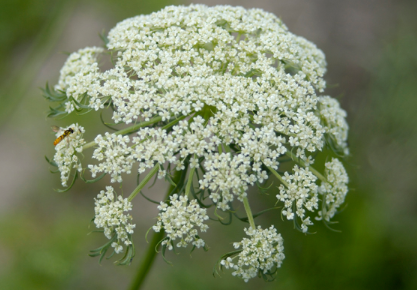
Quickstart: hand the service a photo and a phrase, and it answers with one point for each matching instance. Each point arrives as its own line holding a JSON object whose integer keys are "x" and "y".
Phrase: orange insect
{"x": 65, "y": 134}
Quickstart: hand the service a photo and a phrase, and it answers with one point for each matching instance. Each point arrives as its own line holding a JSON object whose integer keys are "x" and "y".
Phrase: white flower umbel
{"x": 222, "y": 97}
{"x": 252, "y": 81}
{"x": 334, "y": 191}
{"x": 110, "y": 214}
{"x": 262, "y": 252}
{"x": 299, "y": 193}
{"x": 180, "y": 220}
{"x": 115, "y": 155}
{"x": 66, "y": 151}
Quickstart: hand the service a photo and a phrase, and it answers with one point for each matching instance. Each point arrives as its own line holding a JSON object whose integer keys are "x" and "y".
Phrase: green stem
{"x": 128, "y": 130}
{"x": 278, "y": 176}
{"x": 301, "y": 162}
{"x": 138, "y": 126}
{"x": 227, "y": 148}
{"x": 249, "y": 212}
{"x": 143, "y": 182}
{"x": 189, "y": 182}
{"x": 150, "y": 254}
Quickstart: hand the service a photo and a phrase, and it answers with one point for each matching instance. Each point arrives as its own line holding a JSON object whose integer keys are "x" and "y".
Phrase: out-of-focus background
{"x": 371, "y": 50}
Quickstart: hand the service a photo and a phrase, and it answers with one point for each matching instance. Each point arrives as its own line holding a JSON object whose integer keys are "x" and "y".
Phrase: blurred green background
{"x": 371, "y": 50}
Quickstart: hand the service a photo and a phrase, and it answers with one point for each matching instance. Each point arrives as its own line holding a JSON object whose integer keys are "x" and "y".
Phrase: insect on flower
{"x": 65, "y": 134}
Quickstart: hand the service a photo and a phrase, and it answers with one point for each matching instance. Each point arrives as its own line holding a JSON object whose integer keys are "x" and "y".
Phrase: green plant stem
{"x": 301, "y": 162}
{"x": 128, "y": 130}
{"x": 147, "y": 261}
{"x": 249, "y": 212}
{"x": 144, "y": 182}
{"x": 150, "y": 254}
{"x": 189, "y": 182}
{"x": 138, "y": 126}
{"x": 278, "y": 176}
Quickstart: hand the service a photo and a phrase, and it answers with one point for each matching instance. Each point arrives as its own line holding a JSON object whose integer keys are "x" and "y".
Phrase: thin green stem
{"x": 301, "y": 162}
{"x": 128, "y": 130}
{"x": 143, "y": 182}
{"x": 189, "y": 182}
{"x": 150, "y": 254}
{"x": 249, "y": 212}
{"x": 219, "y": 148}
{"x": 138, "y": 126}
{"x": 277, "y": 175}
{"x": 169, "y": 125}
{"x": 227, "y": 148}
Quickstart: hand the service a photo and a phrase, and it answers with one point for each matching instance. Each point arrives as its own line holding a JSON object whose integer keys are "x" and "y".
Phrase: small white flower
{"x": 227, "y": 263}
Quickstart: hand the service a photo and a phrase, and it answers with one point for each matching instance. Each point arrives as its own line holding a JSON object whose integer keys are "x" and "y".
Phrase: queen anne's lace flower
{"x": 253, "y": 81}
{"x": 180, "y": 221}
{"x": 66, "y": 151}
{"x": 110, "y": 215}
{"x": 226, "y": 92}
{"x": 262, "y": 252}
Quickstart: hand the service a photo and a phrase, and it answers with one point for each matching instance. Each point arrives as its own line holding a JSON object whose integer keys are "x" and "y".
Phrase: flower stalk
{"x": 151, "y": 251}
{"x": 249, "y": 212}
{"x": 277, "y": 175}
{"x": 144, "y": 182}
{"x": 301, "y": 162}
{"x": 128, "y": 130}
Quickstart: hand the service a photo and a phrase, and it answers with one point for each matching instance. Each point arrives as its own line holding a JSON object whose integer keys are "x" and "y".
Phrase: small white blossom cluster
{"x": 334, "y": 191}
{"x": 66, "y": 151}
{"x": 299, "y": 193}
{"x": 110, "y": 215}
{"x": 180, "y": 220}
{"x": 226, "y": 174}
{"x": 115, "y": 155}
{"x": 334, "y": 119}
{"x": 155, "y": 145}
{"x": 262, "y": 252}
{"x": 80, "y": 75}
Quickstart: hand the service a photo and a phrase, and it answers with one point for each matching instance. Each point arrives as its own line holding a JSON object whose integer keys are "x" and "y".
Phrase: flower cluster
{"x": 223, "y": 95}
{"x": 80, "y": 75}
{"x": 253, "y": 81}
{"x": 334, "y": 121}
{"x": 66, "y": 151}
{"x": 180, "y": 220}
{"x": 110, "y": 215}
{"x": 262, "y": 253}
{"x": 334, "y": 191}
{"x": 299, "y": 193}
{"x": 114, "y": 153}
